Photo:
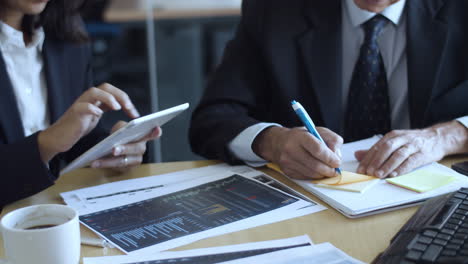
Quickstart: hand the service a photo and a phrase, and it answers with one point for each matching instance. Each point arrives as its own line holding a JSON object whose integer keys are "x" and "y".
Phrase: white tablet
{"x": 134, "y": 130}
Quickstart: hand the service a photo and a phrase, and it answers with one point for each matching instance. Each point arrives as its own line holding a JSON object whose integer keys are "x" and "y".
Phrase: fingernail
{"x": 157, "y": 133}
{"x": 117, "y": 151}
{"x": 360, "y": 170}
{"x": 117, "y": 106}
{"x": 98, "y": 112}
{"x": 338, "y": 152}
{"x": 135, "y": 113}
{"x": 96, "y": 164}
{"x": 393, "y": 174}
{"x": 379, "y": 173}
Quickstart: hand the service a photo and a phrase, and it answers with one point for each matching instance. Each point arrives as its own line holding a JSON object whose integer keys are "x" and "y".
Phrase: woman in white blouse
{"x": 49, "y": 109}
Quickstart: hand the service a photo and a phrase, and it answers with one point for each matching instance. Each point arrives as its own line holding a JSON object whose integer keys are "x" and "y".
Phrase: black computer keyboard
{"x": 437, "y": 233}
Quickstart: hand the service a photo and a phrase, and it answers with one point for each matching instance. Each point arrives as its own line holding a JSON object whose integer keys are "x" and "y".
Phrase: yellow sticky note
{"x": 345, "y": 178}
{"x": 358, "y": 187}
{"x": 422, "y": 180}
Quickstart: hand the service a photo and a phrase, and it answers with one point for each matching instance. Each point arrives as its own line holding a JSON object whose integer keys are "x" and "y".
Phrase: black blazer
{"x": 291, "y": 50}
{"x": 68, "y": 75}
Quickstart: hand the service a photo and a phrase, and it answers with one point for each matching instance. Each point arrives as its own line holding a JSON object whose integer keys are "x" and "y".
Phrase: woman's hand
{"x": 81, "y": 118}
{"x": 129, "y": 155}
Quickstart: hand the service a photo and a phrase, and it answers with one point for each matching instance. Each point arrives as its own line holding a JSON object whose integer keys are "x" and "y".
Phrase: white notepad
{"x": 382, "y": 196}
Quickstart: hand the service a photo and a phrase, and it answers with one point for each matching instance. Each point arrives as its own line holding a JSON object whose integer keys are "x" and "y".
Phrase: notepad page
{"x": 348, "y": 161}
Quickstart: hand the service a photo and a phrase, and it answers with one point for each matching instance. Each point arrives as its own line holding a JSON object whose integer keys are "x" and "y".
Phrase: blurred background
{"x": 161, "y": 53}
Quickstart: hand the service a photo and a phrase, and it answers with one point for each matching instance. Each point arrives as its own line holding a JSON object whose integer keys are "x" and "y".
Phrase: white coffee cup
{"x": 41, "y": 234}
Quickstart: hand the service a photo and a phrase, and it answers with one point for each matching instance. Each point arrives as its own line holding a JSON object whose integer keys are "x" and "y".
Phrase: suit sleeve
{"x": 21, "y": 163}
{"x": 233, "y": 97}
{"x": 27, "y": 174}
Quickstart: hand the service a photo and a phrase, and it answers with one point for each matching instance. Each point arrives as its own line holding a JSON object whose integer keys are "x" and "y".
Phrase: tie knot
{"x": 374, "y": 26}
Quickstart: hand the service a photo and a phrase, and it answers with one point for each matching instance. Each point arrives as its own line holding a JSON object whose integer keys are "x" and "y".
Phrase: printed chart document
{"x": 172, "y": 213}
{"x": 324, "y": 253}
{"x": 127, "y": 191}
{"x": 206, "y": 255}
{"x": 382, "y": 196}
{"x": 105, "y": 195}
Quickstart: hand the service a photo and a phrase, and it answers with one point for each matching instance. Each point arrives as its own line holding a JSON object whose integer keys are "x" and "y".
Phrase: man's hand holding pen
{"x": 298, "y": 153}
{"x": 302, "y": 153}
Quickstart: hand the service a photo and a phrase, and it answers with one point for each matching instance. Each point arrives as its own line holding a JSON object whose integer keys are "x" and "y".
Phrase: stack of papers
{"x": 162, "y": 212}
{"x": 292, "y": 250}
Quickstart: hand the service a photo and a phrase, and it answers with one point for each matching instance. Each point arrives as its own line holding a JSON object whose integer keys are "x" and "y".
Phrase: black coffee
{"x": 40, "y": 227}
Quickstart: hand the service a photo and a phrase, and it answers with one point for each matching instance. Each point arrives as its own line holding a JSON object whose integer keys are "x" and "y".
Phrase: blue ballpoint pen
{"x": 308, "y": 123}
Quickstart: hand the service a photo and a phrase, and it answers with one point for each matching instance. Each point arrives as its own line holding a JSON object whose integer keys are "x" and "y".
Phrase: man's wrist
{"x": 454, "y": 137}
{"x": 265, "y": 143}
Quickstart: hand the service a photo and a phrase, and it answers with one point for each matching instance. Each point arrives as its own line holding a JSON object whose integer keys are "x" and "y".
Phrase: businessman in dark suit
{"x": 49, "y": 108}
{"x": 360, "y": 68}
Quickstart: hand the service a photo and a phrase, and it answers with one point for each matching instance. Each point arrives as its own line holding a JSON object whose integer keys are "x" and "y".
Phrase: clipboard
{"x": 133, "y": 131}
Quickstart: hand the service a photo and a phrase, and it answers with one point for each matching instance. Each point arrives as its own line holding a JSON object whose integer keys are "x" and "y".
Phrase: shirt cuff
{"x": 241, "y": 146}
{"x": 463, "y": 121}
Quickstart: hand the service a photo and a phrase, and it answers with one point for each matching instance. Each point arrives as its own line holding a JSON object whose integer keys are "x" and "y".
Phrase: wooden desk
{"x": 361, "y": 238}
{"x": 128, "y": 11}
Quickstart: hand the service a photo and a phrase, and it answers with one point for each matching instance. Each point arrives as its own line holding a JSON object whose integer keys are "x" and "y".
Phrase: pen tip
{"x": 293, "y": 102}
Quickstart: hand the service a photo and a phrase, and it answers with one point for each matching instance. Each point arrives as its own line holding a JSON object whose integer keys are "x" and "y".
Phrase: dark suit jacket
{"x": 68, "y": 75}
{"x": 291, "y": 50}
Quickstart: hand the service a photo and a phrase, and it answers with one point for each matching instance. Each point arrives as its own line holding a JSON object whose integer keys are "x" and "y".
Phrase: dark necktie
{"x": 368, "y": 110}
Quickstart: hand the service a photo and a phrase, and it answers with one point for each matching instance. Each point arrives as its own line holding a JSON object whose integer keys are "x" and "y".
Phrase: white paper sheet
{"x": 171, "y": 183}
{"x": 135, "y": 258}
{"x": 324, "y": 253}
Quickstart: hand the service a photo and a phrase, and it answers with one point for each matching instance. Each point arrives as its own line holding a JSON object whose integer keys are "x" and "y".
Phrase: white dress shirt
{"x": 25, "y": 67}
{"x": 392, "y": 44}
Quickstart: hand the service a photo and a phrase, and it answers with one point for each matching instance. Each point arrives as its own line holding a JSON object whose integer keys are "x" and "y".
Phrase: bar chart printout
{"x": 138, "y": 225}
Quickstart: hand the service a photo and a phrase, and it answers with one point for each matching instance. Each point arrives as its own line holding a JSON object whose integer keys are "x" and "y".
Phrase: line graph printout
{"x": 198, "y": 209}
